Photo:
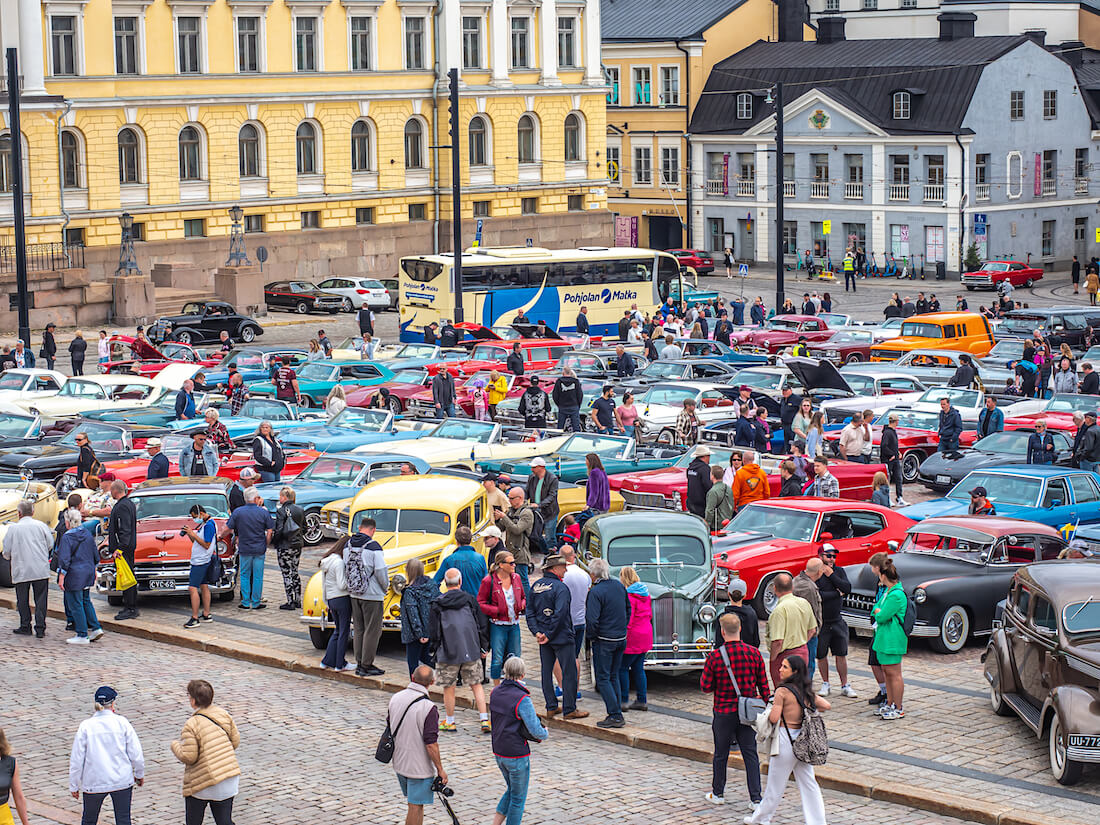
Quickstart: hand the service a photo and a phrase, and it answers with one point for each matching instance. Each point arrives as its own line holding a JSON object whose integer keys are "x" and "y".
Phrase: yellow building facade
{"x": 312, "y": 115}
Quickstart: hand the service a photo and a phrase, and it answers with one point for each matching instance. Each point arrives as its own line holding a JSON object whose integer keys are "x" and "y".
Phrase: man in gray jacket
{"x": 542, "y": 492}
{"x": 443, "y": 394}
{"x": 368, "y": 581}
{"x": 199, "y": 458}
{"x": 458, "y": 632}
{"x": 27, "y": 546}
{"x": 516, "y": 525}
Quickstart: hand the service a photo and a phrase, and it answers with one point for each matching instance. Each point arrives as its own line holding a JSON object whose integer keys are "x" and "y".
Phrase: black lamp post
{"x": 237, "y": 255}
{"x": 127, "y": 261}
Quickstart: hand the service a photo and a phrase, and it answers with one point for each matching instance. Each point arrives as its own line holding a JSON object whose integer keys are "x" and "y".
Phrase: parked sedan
{"x": 48, "y": 461}
{"x": 301, "y": 297}
{"x": 991, "y": 273}
{"x": 698, "y": 260}
{"x": 942, "y": 471}
{"x": 682, "y": 369}
{"x": 846, "y": 346}
{"x": 355, "y": 292}
{"x": 206, "y": 320}
{"x": 936, "y": 366}
{"x": 24, "y": 384}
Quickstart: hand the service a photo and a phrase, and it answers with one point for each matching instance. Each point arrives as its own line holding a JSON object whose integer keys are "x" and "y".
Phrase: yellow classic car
{"x": 416, "y": 517}
{"x": 46, "y": 509}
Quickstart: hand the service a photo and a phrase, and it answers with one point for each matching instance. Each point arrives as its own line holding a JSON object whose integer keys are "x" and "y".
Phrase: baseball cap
{"x": 492, "y": 530}
{"x": 744, "y": 388}
{"x": 978, "y": 491}
{"x": 737, "y": 586}
{"x": 829, "y": 549}
{"x": 538, "y": 461}
{"x": 1090, "y": 414}
{"x": 248, "y": 472}
{"x": 105, "y": 695}
{"x": 153, "y": 442}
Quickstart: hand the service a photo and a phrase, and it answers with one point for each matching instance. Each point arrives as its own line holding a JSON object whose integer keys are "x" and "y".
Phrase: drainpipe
{"x": 687, "y": 140}
{"x": 435, "y": 126}
{"x": 962, "y": 202}
{"x": 61, "y": 180}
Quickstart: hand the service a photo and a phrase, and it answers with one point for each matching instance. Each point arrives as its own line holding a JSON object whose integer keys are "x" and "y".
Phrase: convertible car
{"x": 353, "y": 427}
{"x": 782, "y": 331}
{"x": 12, "y": 491}
{"x": 618, "y": 454}
{"x": 680, "y": 369}
{"x": 29, "y": 384}
{"x": 136, "y": 356}
{"x": 50, "y": 461}
{"x": 99, "y": 392}
{"x": 941, "y": 471}
{"x": 317, "y": 378}
{"x": 254, "y": 363}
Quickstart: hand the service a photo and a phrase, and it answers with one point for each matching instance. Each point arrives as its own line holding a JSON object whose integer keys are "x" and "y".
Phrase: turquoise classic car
{"x": 317, "y": 378}
{"x": 618, "y": 454}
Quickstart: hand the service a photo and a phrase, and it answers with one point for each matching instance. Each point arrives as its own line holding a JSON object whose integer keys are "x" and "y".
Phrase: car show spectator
{"x": 550, "y": 620}
{"x": 185, "y": 401}
{"x": 607, "y": 614}
{"x": 501, "y": 598}
{"x": 578, "y": 581}
{"x": 789, "y": 483}
{"x": 27, "y": 545}
{"x": 852, "y": 439}
{"x": 950, "y": 427}
{"x": 1040, "y": 445}
{"x": 267, "y": 453}
{"x": 626, "y": 415}
{"x": 880, "y": 491}
{"x": 76, "y": 566}
{"x": 568, "y": 396}
{"x": 103, "y": 347}
{"x": 890, "y": 642}
{"x": 416, "y": 601}
{"x": 719, "y": 501}
{"x": 790, "y": 626}
{"x": 49, "y": 345}
{"x": 204, "y": 536}
{"x": 466, "y": 560}
{"x": 514, "y": 724}
{"x": 517, "y": 523}
{"x": 416, "y": 759}
{"x": 458, "y": 633}
{"x": 698, "y": 481}
{"x": 334, "y": 588}
{"x": 688, "y": 425}
{"x": 602, "y": 415}
{"x": 805, "y": 587}
{"x": 750, "y": 483}
{"x": 288, "y": 539}
{"x": 87, "y": 465}
{"x": 106, "y": 760}
{"x": 336, "y": 402}
{"x": 534, "y": 406}
{"x": 122, "y": 541}
{"x": 832, "y": 637}
{"x": 158, "y": 462}
{"x": 991, "y": 419}
{"x": 515, "y": 361}
{"x": 253, "y": 526}
{"x": 78, "y": 348}
{"x": 367, "y": 584}
{"x": 211, "y": 773}
{"x": 199, "y": 458}
{"x": 542, "y": 493}
{"x": 639, "y": 640}
{"x": 890, "y": 454}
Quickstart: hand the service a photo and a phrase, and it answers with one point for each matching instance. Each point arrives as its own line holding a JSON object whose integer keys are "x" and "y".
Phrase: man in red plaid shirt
{"x": 748, "y": 668}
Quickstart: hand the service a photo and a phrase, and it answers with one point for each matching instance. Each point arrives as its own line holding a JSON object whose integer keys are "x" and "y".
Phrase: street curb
{"x": 671, "y": 745}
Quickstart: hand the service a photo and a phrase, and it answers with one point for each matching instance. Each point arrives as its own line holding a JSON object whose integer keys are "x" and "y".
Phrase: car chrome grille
{"x": 857, "y": 601}
{"x": 671, "y": 615}
{"x": 636, "y": 499}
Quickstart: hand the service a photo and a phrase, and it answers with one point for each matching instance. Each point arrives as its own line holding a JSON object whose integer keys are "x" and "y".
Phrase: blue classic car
{"x": 618, "y": 454}
{"x": 253, "y": 363}
{"x": 352, "y": 428}
{"x": 1060, "y": 497}
{"x": 336, "y": 476}
{"x": 242, "y": 427}
{"x": 717, "y": 351}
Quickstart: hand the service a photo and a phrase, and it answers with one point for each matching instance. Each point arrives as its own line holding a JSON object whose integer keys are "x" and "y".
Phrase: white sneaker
{"x": 846, "y": 691}
{"x": 902, "y": 503}
{"x": 716, "y": 800}
{"x": 78, "y": 640}
{"x": 95, "y": 634}
{"x": 825, "y": 689}
{"x": 348, "y": 666}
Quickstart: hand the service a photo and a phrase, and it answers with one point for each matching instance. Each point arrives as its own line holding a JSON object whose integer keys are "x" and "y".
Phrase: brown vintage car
{"x": 1043, "y": 662}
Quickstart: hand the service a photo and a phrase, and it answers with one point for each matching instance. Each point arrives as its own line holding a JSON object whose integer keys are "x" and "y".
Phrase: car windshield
{"x": 13, "y": 380}
{"x": 266, "y": 409}
{"x": 82, "y": 389}
{"x": 507, "y": 333}
{"x": 301, "y": 286}
{"x": 15, "y": 425}
{"x": 891, "y": 323}
{"x": 967, "y": 549}
{"x": 783, "y": 323}
{"x": 332, "y": 470}
{"x": 1082, "y": 617}
{"x": 98, "y": 434}
{"x": 1065, "y": 402}
{"x": 994, "y": 266}
{"x": 918, "y": 329}
{"x": 416, "y": 350}
{"x": 1023, "y": 323}
{"x": 849, "y": 336}
{"x": 672, "y": 396}
{"x": 671, "y": 561}
{"x": 369, "y": 284}
{"x": 1010, "y": 442}
{"x": 760, "y": 379}
{"x": 861, "y": 384}
{"x": 488, "y": 353}
{"x": 959, "y": 397}
{"x": 465, "y": 430}
{"x": 911, "y": 419}
{"x": 1009, "y": 349}
{"x": 360, "y": 419}
{"x": 405, "y": 521}
{"x": 581, "y": 444}
{"x": 409, "y": 377}
{"x": 484, "y": 376}
{"x": 663, "y": 369}
{"x": 783, "y": 522}
{"x": 1020, "y": 491}
{"x": 242, "y": 358}
{"x": 317, "y": 372}
{"x": 833, "y": 319}
{"x": 579, "y": 360}
{"x": 171, "y": 445}
{"x": 718, "y": 456}
{"x": 178, "y": 505}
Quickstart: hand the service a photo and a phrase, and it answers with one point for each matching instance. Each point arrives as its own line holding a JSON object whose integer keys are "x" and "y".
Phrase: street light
{"x": 237, "y": 255}
{"x": 127, "y": 261}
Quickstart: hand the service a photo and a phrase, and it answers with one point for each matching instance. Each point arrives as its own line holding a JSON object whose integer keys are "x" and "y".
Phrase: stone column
{"x": 135, "y": 299}
{"x": 548, "y": 28}
{"x": 32, "y": 62}
{"x": 243, "y": 287}
{"x": 593, "y": 72}
{"x": 500, "y": 35}
{"x": 450, "y": 37}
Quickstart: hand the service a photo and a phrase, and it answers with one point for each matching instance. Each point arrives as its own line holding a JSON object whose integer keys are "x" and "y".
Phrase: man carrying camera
{"x": 203, "y": 543}
{"x": 414, "y": 720}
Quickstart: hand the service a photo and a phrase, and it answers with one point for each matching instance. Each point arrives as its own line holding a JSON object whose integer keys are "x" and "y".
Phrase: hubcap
{"x": 953, "y": 628}
{"x": 1058, "y": 752}
{"x": 769, "y": 598}
{"x": 313, "y": 528}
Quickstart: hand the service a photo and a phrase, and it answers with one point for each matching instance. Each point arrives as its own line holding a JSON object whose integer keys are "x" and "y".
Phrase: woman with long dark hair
{"x": 793, "y": 697}
{"x": 598, "y": 499}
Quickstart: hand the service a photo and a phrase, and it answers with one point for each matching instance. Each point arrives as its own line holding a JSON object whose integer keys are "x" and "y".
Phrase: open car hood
{"x": 818, "y": 374}
{"x": 481, "y": 333}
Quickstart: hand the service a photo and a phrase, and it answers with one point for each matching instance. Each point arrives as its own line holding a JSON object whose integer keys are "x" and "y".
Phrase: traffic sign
{"x": 261, "y": 253}
{"x": 477, "y": 236}
{"x": 980, "y": 217}
{"x": 826, "y": 227}
{"x": 743, "y": 270}
{"x": 1098, "y": 234}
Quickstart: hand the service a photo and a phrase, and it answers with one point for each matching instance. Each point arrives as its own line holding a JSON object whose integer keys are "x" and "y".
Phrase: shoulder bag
{"x": 812, "y": 744}
{"x": 747, "y": 707}
{"x": 386, "y": 742}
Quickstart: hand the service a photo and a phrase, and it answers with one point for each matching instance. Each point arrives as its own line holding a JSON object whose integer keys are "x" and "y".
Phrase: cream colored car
{"x": 46, "y": 509}
{"x": 114, "y": 391}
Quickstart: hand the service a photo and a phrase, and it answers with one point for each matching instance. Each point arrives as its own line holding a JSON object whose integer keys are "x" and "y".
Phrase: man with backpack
{"x": 517, "y": 525}
{"x": 365, "y": 568}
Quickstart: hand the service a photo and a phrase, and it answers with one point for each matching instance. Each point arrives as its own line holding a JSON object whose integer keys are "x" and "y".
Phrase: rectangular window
{"x": 934, "y": 169}
{"x": 640, "y": 76}
{"x": 529, "y": 206}
{"x": 576, "y": 203}
{"x": 612, "y": 74}
{"x": 137, "y": 231}
{"x": 248, "y": 44}
{"x": 1050, "y": 165}
{"x": 305, "y": 43}
{"x": 788, "y": 167}
{"x": 870, "y": 5}
{"x": 899, "y": 240}
{"x": 521, "y": 42}
{"x": 253, "y": 223}
{"x": 855, "y": 235}
{"x": 471, "y": 42}
{"x": 360, "y": 44}
{"x": 1080, "y": 229}
{"x": 1050, "y": 104}
{"x": 670, "y": 85}
{"x": 1016, "y": 105}
{"x": 819, "y": 242}
{"x": 670, "y": 165}
{"x": 1081, "y": 163}
{"x": 717, "y": 232}
{"x": 311, "y": 219}
{"x": 933, "y": 244}
{"x": 790, "y": 237}
{"x": 832, "y": 5}
{"x": 567, "y": 41}
{"x": 481, "y": 209}
{"x": 194, "y": 228}
{"x": 63, "y": 44}
{"x": 746, "y": 166}
{"x": 126, "y": 45}
{"x": 908, "y": 4}
{"x": 900, "y": 169}
{"x": 614, "y": 169}
{"x": 418, "y": 212}
{"x": 189, "y": 31}
{"x": 414, "y": 43}
{"x": 854, "y": 166}
{"x": 75, "y": 236}
{"x": 821, "y": 167}
{"x": 364, "y": 215}
{"x": 1048, "y": 239}
{"x": 981, "y": 168}
{"x": 643, "y": 164}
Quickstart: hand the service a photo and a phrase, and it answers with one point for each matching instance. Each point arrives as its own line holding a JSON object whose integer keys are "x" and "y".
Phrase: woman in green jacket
{"x": 890, "y": 642}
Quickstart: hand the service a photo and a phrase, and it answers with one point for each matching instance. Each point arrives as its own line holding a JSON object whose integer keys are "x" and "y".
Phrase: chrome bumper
{"x": 162, "y": 581}
{"x": 861, "y": 624}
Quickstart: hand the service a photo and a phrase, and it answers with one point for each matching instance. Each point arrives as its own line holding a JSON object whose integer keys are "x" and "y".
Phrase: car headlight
{"x": 707, "y": 613}
{"x": 723, "y": 576}
{"x": 33, "y": 410}
{"x": 222, "y": 548}
{"x": 333, "y": 517}
{"x": 398, "y": 582}
{"x": 920, "y": 595}
{"x": 105, "y": 553}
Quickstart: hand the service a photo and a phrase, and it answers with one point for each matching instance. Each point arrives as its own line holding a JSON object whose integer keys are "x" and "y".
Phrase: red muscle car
{"x": 783, "y": 331}
{"x": 992, "y": 273}
{"x": 421, "y": 403}
{"x": 134, "y": 470}
{"x": 698, "y": 260}
{"x": 781, "y": 535}
{"x": 139, "y": 357}
{"x": 399, "y": 391}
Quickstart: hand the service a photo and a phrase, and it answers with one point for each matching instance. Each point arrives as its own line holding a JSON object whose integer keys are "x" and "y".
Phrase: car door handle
{"x": 866, "y": 544}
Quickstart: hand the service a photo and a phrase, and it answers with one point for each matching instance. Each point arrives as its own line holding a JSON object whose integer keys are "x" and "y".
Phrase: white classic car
{"x": 12, "y": 490}
{"x": 662, "y": 403}
{"x": 462, "y": 442}
{"x": 26, "y": 384}
{"x": 114, "y": 391}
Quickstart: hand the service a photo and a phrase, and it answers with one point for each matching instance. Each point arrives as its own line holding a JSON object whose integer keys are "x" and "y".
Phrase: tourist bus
{"x": 549, "y": 285}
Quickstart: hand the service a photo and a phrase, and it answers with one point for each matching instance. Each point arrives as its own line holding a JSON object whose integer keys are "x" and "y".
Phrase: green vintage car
{"x": 671, "y": 553}
{"x": 618, "y": 454}
{"x": 317, "y": 378}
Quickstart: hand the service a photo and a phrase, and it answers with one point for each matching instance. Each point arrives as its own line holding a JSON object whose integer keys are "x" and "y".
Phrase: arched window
{"x": 478, "y": 141}
{"x": 72, "y": 164}
{"x": 248, "y": 151}
{"x": 414, "y": 144}
{"x": 190, "y": 154}
{"x": 306, "y": 139}
{"x": 744, "y": 106}
{"x": 129, "y": 156}
{"x": 360, "y": 147}
{"x": 5, "y": 162}
{"x": 525, "y": 132}
{"x": 901, "y": 105}
{"x": 573, "y": 137}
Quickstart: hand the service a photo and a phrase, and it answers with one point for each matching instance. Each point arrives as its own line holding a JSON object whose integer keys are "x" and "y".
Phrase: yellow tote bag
{"x": 124, "y": 576}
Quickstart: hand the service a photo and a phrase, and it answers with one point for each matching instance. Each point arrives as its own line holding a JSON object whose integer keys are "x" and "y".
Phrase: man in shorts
{"x": 414, "y": 719}
{"x": 833, "y": 586}
{"x": 458, "y": 633}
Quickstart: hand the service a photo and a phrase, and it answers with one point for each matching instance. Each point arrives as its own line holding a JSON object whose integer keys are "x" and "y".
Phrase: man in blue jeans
{"x": 253, "y": 525}
{"x": 607, "y": 613}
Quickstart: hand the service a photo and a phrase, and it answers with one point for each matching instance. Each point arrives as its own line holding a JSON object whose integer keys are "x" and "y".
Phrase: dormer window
{"x": 902, "y": 105}
{"x": 744, "y": 106}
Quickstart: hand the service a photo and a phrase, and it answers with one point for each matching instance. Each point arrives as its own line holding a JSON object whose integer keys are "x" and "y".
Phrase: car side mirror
{"x": 1056, "y": 503}
{"x": 826, "y": 537}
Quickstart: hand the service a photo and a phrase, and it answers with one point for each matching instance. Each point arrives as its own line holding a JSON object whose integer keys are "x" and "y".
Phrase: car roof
{"x": 995, "y": 526}
{"x": 793, "y": 317}
{"x": 1032, "y": 471}
{"x": 820, "y": 505}
{"x": 945, "y": 316}
{"x": 191, "y": 484}
{"x": 1064, "y": 580}
{"x": 656, "y": 522}
{"x": 416, "y": 490}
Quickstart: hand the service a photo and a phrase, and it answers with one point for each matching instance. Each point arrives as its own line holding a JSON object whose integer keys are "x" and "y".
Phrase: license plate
{"x": 943, "y": 479}
{"x": 1078, "y": 740}
{"x": 864, "y": 632}
{"x": 162, "y": 584}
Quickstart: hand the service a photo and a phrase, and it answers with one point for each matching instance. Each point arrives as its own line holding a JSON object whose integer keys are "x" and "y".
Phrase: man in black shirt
{"x": 750, "y": 622}
{"x": 1090, "y": 381}
{"x": 515, "y": 361}
{"x": 568, "y": 396}
{"x": 833, "y": 585}
{"x": 603, "y": 411}
{"x": 582, "y": 321}
{"x": 964, "y": 374}
{"x": 624, "y": 325}
{"x": 430, "y": 336}
{"x": 49, "y": 345}
{"x": 448, "y": 336}
{"x": 122, "y": 539}
{"x": 890, "y": 455}
{"x": 624, "y": 362}
{"x": 366, "y": 320}
{"x": 788, "y": 409}
{"x": 698, "y": 481}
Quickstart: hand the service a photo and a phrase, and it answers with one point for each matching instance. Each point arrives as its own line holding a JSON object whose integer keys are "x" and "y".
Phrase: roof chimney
{"x": 955, "y": 25}
{"x": 830, "y": 29}
{"x": 1073, "y": 52}
{"x": 1038, "y": 35}
{"x": 793, "y": 16}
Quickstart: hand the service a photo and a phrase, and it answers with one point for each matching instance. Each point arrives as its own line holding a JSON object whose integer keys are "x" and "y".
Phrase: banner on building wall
{"x": 626, "y": 231}
{"x": 981, "y": 238}
{"x": 726, "y": 173}
{"x": 1038, "y": 174}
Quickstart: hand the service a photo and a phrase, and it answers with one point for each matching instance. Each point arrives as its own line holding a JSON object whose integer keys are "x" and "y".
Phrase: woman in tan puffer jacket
{"x": 206, "y": 747}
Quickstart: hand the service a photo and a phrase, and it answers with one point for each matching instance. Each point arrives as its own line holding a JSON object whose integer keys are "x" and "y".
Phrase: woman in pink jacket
{"x": 639, "y": 639}
{"x": 502, "y": 600}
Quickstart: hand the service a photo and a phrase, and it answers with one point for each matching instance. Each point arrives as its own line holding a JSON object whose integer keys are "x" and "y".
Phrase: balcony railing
{"x": 746, "y": 188}
{"x": 1080, "y": 186}
{"x": 819, "y": 189}
{"x": 1050, "y": 187}
{"x": 899, "y": 191}
{"x": 933, "y": 192}
{"x": 981, "y": 191}
{"x": 716, "y": 187}
{"x": 43, "y": 257}
{"x": 853, "y": 191}
{"x": 789, "y": 189}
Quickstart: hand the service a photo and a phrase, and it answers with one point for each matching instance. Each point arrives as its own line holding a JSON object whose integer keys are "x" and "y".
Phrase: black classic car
{"x": 49, "y": 461}
{"x": 205, "y": 320}
{"x": 1043, "y": 661}
{"x": 955, "y": 570}
{"x": 1067, "y": 324}
{"x": 301, "y": 297}
{"x": 942, "y": 471}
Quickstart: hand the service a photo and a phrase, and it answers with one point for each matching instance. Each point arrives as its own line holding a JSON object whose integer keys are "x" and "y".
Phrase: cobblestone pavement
{"x": 307, "y": 747}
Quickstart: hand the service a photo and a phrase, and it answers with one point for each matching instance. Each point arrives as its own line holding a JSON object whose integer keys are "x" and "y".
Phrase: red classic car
{"x": 538, "y": 354}
{"x": 421, "y": 403}
{"x": 698, "y": 260}
{"x": 783, "y": 331}
{"x": 992, "y": 273}
{"x": 409, "y": 382}
{"x": 667, "y": 488}
{"x": 138, "y": 357}
{"x": 780, "y": 535}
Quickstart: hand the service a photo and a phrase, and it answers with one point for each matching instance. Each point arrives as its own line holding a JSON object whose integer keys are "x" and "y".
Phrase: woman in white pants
{"x": 792, "y": 696}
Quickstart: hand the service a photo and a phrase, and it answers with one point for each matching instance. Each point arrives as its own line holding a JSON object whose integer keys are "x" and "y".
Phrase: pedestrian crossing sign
{"x": 743, "y": 270}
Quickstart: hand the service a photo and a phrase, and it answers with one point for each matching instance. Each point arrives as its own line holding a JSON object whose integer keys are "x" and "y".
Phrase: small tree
{"x": 972, "y": 261}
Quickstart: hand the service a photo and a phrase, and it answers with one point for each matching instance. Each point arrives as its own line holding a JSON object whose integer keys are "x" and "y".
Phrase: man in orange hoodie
{"x": 750, "y": 483}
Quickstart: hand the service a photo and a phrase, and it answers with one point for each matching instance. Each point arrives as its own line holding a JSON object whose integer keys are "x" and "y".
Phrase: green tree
{"x": 972, "y": 261}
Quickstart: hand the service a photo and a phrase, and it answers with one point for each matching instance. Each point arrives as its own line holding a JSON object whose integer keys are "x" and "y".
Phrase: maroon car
{"x": 845, "y": 346}
{"x": 783, "y": 331}
{"x": 406, "y": 384}
{"x": 992, "y": 273}
{"x": 698, "y": 260}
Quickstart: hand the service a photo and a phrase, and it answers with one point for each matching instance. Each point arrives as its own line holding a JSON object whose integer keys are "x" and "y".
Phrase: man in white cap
{"x": 158, "y": 461}
{"x": 249, "y": 478}
{"x": 542, "y": 494}
{"x": 494, "y": 540}
{"x": 698, "y": 481}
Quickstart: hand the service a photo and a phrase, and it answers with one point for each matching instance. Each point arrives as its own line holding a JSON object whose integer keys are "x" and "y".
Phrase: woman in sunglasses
{"x": 86, "y": 464}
